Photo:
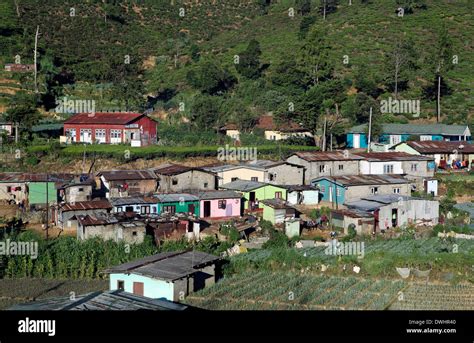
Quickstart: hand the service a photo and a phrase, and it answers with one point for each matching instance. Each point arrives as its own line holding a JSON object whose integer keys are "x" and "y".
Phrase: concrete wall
{"x": 410, "y": 212}
{"x": 242, "y": 173}
{"x": 331, "y": 168}
{"x": 377, "y": 168}
{"x": 309, "y": 197}
{"x": 113, "y": 232}
{"x": 232, "y": 208}
{"x": 152, "y": 288}
{"x": 134, "y": 187}
{"x": 193, "y": 179}
{"x": 137, "y": 208}
{"x": 13, "y": 195}
{"x": 285, "y": 174}
{"x": 78, "y": 193}
{"x": 357, "y": 192}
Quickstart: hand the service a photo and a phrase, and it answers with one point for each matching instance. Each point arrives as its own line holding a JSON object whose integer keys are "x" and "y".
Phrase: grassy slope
{"x": 363, "y": 32}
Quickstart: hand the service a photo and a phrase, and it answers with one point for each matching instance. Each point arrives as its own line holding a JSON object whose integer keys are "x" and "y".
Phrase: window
{"x": 388, "y": 168}
{"x": 81, "y": 189}
{"x": 323, "y": 189}
{"x": 254, "y": 178}
{"x": 99, "y": 133}
{"x": 119, "y": 209}
{"x": 115, "y": 133}
{"x": 322, "y": 168}
{"x": 271, "y": 176}
{"x": 153, "y": 209}
{"x": 145, "y": 210}
{"x": 121, "y": 285}
{"x": 174, "y": 182}
{"x": 278, "y": 195}
{"x": 222, "y": 204}
{"x": 169, "y": 209}
{"x": 9, "y": 189}
{"x": 206, "y": 184}
{"x": 414, "y": 167}
{"x": 341, "y": 167}
{"x": 374, "y": 190}
{"x": 134, "y": 233}
{"x": 396, "y": 190}
{"x": 233, "y": 179}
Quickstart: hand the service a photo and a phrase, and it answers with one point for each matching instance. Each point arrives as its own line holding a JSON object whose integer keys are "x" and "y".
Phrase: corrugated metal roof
{"x": 115, "y": 300}
{"x": 86, "y": 205}
{"x": 276, "y": 203}
{"x": 132, "y": 201}
{"x": 354, "y": 180}
{"x": 295, "y": 188}
{"x": 243, "y": 185}
{"x": 219, "y": 194}
{"x": 392, "y": 156}
{"x": 35, "y": 177}
{"x": 117, "y": 118}
{"x": 433, "y": 147}
{"x": 175, "y": 197}
{"x": 416, "y": 129}
{"x": 315, "y": 156}
{"x": 167, "y": 266}
{"x": 174, "y": 169}
{"x": 118, "y": 175}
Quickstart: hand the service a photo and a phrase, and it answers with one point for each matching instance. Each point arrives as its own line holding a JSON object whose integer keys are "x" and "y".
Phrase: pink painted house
{"x": 220, "y": 204}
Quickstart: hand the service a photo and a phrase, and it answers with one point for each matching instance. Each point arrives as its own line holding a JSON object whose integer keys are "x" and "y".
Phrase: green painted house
{"x": 178, "y": 203}
{"x": 253, "y": 192}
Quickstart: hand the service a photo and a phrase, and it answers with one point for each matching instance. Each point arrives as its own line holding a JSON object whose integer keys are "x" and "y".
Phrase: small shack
{"x": 362, "y": 222}
{"x": 302, "y": 195}
{"x": 168, "y": 275}
{"x": 174, "y": 227}
{"x": 277, "y": 211}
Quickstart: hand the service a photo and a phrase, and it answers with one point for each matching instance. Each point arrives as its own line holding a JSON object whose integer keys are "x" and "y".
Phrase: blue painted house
{"x": 168, "y": 275}
{"x": 393, "y": 134}
{"x": 340, "y": 189}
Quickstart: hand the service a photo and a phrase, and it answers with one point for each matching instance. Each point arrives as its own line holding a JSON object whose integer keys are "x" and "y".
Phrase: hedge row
{"x": 124, "y": 152}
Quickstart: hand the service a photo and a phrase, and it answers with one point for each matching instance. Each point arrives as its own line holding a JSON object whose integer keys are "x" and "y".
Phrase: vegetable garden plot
{"x": 295, "y": 292}
{"x": 435, "y": 297}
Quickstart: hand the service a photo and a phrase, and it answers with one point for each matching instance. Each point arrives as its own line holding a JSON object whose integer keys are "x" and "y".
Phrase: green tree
{"x": 303, "y": 7}
{"x": 442, "y": 62}
{"x": 22, "y": 109}
{"x": 249, "y": 61}
{"x": 195, "y": 52}
{"x": 305, "y": 25}
{"x": 211, "y": 78}
{"x": 313, "y": 60}
{"x": 205, "y": 111}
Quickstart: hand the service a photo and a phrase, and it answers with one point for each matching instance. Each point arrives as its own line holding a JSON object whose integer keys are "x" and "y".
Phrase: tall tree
{"x": 442, "y": 62}
{"x": 400, "y": 61}
{"x": 249, "y": 61}
{"x": 313, "y": 59}
{"x": 211, "y": 78}
{"x": 205, "y": 112}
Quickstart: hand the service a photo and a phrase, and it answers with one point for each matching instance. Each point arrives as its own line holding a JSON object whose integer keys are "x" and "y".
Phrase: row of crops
{"x": 267, "y": 290}
{"x": 435, "y": 297}
{"x": 400, "y": 247}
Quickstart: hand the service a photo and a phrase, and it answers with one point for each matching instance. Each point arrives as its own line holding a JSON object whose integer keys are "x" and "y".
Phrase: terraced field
{"x": 290, "y": 291}
{"x": 435, "y": 297}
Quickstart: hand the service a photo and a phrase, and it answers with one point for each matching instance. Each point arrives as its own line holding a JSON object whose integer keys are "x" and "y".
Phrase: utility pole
{"x": 16, "y": 132}
{"x": 47, "y": 207}
{"x": 370, "y": 130}
{"x": 324, "y": 10}
{"x": 324, "y": 135}
{"x": 36, "y": 57}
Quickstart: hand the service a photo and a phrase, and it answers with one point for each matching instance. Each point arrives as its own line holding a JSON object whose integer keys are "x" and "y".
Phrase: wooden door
{"x": 138, "y": 288}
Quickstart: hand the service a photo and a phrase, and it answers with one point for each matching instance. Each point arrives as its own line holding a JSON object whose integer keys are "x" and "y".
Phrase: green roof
{"x": 416, "y": 129}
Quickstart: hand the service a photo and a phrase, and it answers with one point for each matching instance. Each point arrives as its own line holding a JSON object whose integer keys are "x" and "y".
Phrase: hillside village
{"x": 251, "y": 155}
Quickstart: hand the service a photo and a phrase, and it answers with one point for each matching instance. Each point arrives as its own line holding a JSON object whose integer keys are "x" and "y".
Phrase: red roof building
{"x": 111, "y": 128}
